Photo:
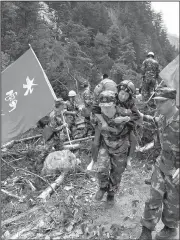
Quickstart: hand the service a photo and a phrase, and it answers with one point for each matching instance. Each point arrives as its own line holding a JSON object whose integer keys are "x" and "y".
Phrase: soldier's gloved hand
{"x": 122, "y": 119}
{"x": 176, "y": 177}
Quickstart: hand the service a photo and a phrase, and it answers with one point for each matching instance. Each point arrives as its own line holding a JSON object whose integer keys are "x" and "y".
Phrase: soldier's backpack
{"x": 106, "y": 84}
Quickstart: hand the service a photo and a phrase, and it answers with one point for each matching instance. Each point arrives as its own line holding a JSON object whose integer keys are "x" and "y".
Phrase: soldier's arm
{"x": 151, "y": 122}
{"x": 135, "y": 115}
{"x": 174, "y": 143}
{"x": 96, "y": 110}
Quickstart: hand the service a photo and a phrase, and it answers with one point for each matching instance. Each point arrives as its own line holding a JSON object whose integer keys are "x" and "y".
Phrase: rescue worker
{"x": 87, "y": 96}
{"x": 164, "y": 194}
{"x": 86, "y": 112}
{"x": 110, "y": 148}
{"x": 126, "y": 106}
{"x": 150, "y": 74}
{"x": 56, "y": 133}
{"x": 71, "y": 111}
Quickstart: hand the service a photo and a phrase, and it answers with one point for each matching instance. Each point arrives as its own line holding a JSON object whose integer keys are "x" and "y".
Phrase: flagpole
{"x": 154, "y": 91}
{"x": 45, "y": 76}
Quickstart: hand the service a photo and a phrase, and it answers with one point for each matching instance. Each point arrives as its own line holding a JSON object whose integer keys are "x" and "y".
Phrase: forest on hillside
{"x": 75, "y": 41}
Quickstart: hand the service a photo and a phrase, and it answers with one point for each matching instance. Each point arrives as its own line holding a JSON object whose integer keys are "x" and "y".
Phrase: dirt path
{"x": 123, "y": 219}
{"x": 88, "y": 218}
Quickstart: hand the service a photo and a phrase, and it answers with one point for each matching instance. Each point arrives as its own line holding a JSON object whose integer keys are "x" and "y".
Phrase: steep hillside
{"x": 75, "y": 41}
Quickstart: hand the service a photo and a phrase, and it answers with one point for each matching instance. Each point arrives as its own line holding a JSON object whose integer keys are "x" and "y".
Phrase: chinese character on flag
{"x": 170, "y": 75}
{"x": 26, "y": 96}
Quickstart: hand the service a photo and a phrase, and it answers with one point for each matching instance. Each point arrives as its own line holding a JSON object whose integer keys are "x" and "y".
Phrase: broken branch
{"x": 47, "y": 192}
{"x": 13, "y": 219}
{"x": 11, "y": 194}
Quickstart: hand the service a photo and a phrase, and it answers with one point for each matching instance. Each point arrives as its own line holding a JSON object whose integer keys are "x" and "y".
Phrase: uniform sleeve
{"x": 174, "y": 143}
{"x": 152, "y": 122}
{"x": 135, "y": 113}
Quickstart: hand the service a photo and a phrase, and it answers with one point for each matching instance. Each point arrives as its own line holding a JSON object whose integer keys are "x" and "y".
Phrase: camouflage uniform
{"x": 71, "y": 119}
{"x": 163, "y": 190}
{"x": 150, "y": 72}
{"x": 112, "y": 154}
{"x": 129, "y": 108}
{"x": 57, "y": 138}
{"x": 87, "y": 111}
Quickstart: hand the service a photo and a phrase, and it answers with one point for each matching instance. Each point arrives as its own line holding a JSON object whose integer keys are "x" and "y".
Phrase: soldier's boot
{"x": 166, "y": 233}
{"x": 146, "y": 234}
{"x": 110, "y": 198}
{"x": 100, "y": 193}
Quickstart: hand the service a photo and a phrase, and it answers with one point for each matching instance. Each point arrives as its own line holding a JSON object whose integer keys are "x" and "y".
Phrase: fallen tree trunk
{"x": 11, "y": 143}
{"x": 79, "y": 140}
{"x": 12, "y": 195}
{"x": 16, "y": 218}
{"x": 47, "y": 192}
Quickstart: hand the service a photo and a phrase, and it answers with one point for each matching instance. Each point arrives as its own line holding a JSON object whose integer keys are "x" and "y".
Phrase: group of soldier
{"x": 112, "y": 113}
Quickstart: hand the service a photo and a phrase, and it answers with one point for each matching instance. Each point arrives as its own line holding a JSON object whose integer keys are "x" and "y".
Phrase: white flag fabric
{"x": 170, "y": 75}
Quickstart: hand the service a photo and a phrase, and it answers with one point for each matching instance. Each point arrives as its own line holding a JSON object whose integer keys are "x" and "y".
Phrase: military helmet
{"x": 107, "y": 98}
{"x": 128, "y": 86}
{"x": 150, "y": 54}
{"x": 72, "y": 93}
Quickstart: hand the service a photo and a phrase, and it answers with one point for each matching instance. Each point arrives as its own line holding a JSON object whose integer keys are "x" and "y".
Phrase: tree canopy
{"x": 75, "y": 41}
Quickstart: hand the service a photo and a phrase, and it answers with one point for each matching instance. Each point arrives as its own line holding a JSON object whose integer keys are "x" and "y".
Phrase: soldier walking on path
{"x": 150, "y": 74}
{"x": 164, "y": 194}
{"x": 113, "y": 147}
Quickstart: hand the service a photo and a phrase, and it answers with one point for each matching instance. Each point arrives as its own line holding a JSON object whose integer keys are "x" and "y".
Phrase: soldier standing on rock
{"x": 150, "y": 74}
{"x": 164, "y": 194}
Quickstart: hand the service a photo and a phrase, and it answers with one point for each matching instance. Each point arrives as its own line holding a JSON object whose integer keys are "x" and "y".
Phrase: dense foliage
{"x": 81, "y": 40}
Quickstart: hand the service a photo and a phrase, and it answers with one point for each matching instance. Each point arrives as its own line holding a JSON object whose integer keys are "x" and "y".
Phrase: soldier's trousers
{"x": 110, "y": 169}
{"x": 148, "y": 88}
{"x": 163, "y": 202}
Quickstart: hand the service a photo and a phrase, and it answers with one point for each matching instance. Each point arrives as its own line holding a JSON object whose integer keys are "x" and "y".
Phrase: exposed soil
{"x": 73, "y": 212}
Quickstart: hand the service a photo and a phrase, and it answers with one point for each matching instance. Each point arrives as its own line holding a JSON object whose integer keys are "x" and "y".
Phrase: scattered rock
{"x": 59, "y": 160}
